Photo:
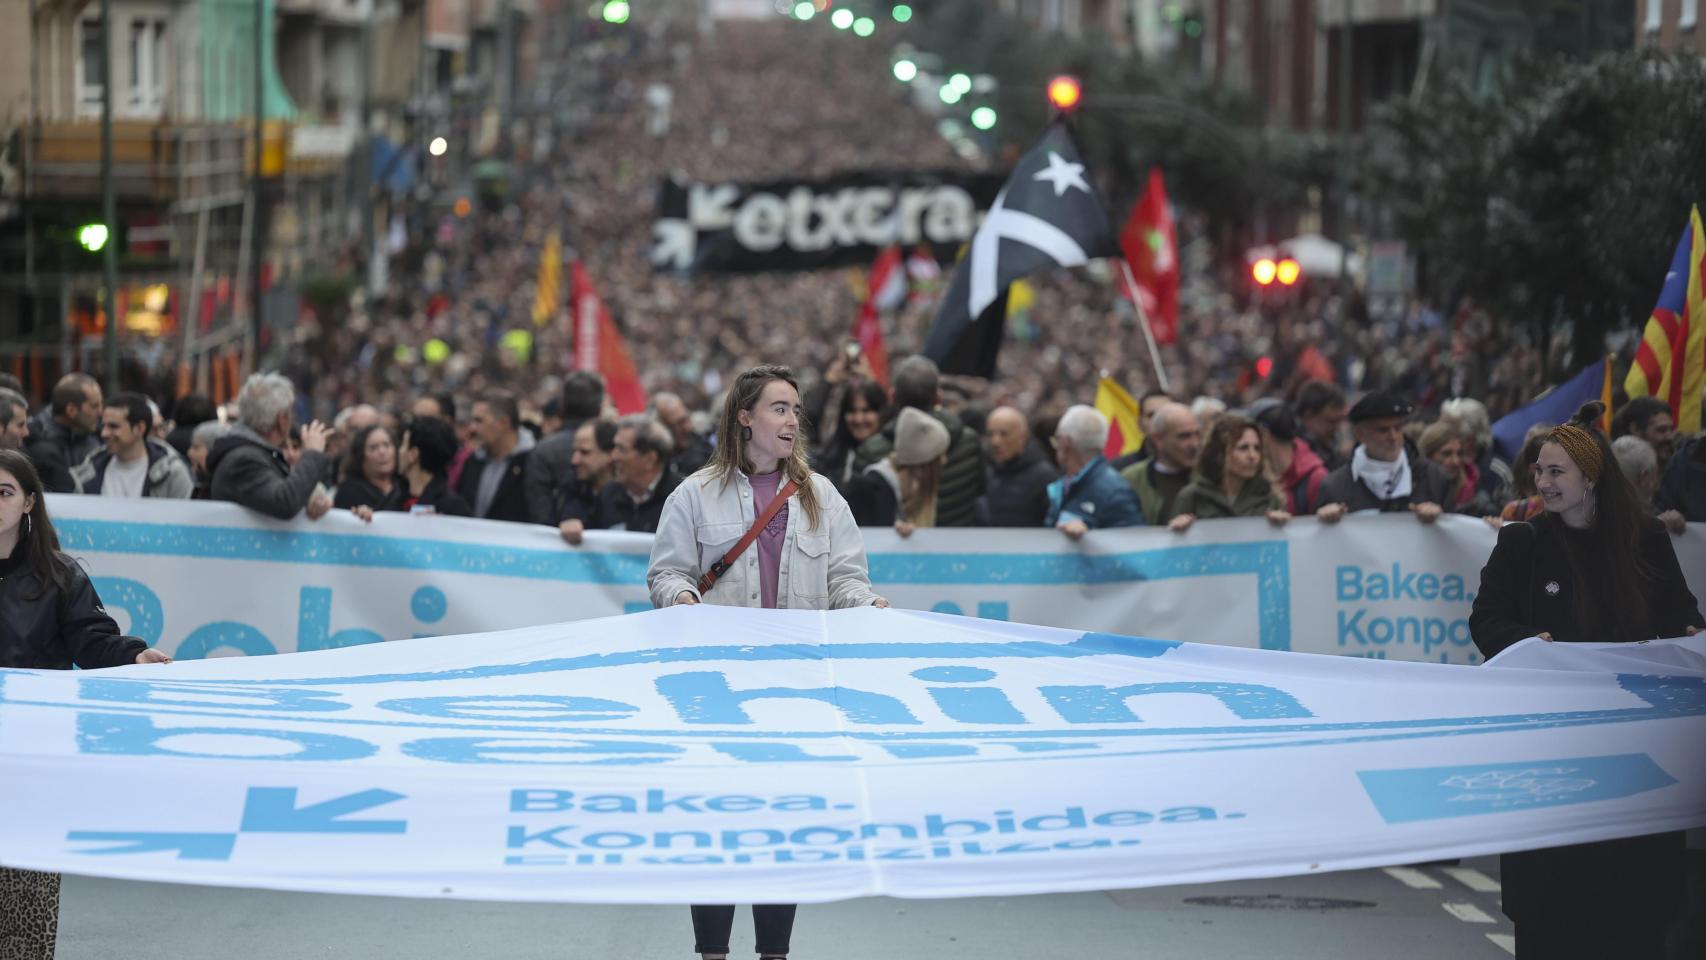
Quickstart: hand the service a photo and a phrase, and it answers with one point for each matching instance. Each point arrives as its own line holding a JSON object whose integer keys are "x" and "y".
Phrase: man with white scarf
{"x": 1383, "y": 476}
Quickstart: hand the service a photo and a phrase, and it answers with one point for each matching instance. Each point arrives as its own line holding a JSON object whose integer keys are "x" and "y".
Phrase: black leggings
{"x": 773, "y": 923}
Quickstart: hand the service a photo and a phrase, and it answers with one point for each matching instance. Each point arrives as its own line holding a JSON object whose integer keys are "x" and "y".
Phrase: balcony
{"x": 189, "y": 165}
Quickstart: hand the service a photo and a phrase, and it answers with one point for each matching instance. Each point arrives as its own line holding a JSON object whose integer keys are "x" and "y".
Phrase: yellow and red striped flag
{"x": 1124, "y": 432}
{"x": 1671, "y": 361}
{"x": 549, "y": 296}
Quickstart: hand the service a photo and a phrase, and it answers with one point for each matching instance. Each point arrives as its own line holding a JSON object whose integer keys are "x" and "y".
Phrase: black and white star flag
{"x": 1048, "y": 214}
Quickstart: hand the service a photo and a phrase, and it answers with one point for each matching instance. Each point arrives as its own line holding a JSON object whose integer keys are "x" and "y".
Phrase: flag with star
{"x": 1048, "y": 214}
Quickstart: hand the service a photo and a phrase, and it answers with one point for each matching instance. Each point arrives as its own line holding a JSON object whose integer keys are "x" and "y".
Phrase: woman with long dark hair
{"x": 50, "y": 618}
{"x": 370, "y": 472}
{"x": 1592, "y": 567}
{"x": 1231, "y": 478}
{"x": 808, "y": 556}
{"x": 858, "y": 419}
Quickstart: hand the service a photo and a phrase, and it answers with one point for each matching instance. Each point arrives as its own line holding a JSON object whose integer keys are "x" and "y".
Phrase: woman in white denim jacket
{"x": 810, "y": 557}
{"x": 823, "y": 555}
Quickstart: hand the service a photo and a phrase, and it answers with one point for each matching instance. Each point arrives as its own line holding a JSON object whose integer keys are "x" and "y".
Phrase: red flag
{"x": 1151, "y": 247}
{"x": 888, "y": 288}
{"x": 599, "y": 346}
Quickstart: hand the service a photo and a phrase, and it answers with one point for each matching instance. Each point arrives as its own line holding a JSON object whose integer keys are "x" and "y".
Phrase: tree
{"x": 1558, "y": 197}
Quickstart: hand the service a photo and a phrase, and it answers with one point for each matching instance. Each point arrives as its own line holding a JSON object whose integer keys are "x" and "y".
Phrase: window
{"x": 147, "y": 65}
{"x": 91, "y": 80}
{"x": 1655, "y": 15}
{"x": 1690, "y": 14}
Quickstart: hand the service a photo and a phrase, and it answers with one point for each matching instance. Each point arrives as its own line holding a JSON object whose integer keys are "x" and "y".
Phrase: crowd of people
{"x": 915, "y": 454}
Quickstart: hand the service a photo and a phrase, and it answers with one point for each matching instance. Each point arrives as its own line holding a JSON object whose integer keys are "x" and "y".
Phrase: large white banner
{"x": 201, "y": 579}
{"x": 713, "y": 754}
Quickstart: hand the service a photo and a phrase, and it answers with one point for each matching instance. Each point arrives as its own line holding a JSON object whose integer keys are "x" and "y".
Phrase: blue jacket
{"x": 1097, "y": 495}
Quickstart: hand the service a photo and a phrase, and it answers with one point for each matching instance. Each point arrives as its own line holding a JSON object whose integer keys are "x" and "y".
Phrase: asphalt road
{"x": 1443, "y": 911}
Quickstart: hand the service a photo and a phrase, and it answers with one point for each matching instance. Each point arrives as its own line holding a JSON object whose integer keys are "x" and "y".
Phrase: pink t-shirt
{"x": 769, "y": 545}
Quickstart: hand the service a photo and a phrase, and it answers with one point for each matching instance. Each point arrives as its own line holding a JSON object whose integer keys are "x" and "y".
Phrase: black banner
{"x": 807, "y": 225}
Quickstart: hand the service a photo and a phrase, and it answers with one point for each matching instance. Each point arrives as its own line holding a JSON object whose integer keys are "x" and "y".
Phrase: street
{"x": 1434, "y": 911}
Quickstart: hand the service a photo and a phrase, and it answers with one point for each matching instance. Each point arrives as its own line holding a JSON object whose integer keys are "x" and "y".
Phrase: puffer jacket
{"x": 963, "y": 476}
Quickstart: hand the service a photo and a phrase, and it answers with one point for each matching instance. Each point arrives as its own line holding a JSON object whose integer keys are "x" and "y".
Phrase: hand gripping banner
{"x": 715, "y": 754}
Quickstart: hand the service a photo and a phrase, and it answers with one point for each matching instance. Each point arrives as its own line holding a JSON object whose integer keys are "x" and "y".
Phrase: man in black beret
{"x": 1382, "y": 474}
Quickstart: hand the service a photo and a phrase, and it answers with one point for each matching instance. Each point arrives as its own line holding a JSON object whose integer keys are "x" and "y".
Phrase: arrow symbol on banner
{"x": 274, "y": 810}
{"x": 190, "y": 846}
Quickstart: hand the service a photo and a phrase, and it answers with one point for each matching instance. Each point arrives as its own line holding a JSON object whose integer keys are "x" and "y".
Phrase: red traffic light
{"x": 1064, "y": 92}
{"x": 1288, "y": 271}
{"x": 1263, "y": 271}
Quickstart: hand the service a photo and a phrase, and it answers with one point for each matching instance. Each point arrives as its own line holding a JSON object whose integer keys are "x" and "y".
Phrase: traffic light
{"x": 1288, "y": 272}
{"x": 617, "y": 11}
{"x": 1264, "y": 271}
{"x": 92, "y": 237}
{"x": 1064, "y": 92}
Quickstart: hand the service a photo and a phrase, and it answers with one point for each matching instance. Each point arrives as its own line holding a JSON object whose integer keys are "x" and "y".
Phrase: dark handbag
{"x": 721, "y": 567}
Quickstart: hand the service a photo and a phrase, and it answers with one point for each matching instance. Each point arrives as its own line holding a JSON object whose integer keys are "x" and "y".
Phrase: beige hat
{"x": 919, "y": 438}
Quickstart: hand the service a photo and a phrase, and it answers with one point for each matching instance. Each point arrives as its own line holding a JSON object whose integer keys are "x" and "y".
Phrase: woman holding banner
{"x": 50, "y": 618}
{"x": 806, "y": 553}
{"x": 1591, "y": 568}
{"x": 1231, "y": 480}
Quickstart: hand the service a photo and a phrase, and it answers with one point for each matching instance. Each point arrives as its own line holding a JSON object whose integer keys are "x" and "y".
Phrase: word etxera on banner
{"x": 201, "y": 579}
{"x": 705, "y": 753}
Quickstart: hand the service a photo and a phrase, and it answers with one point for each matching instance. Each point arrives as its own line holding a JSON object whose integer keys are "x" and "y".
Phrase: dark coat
{"x": 1683, "y": 487}
{"x": 617, "y": 508}
{"x": 550, "y": 467}
{"x": 359, "y": 492}
{"x": 54, "y": 450}
{"x": 58, "y": 628}
{"x": 1517, "y": 597}
{"x": 1016, "y": 492}
{"x": 437, "y": 495}
{"x": 962, "y": 477}
{"x": 1428, "y": 484}
{"x": 249, "y": 471}
{"x": 510, "y": 503}
{"x": 1100, "y": 497}
{"x": 1639, "y": 879}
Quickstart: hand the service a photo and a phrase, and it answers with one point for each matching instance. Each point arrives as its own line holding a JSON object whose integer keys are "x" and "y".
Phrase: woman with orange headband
{"x": 1591, "y": 568}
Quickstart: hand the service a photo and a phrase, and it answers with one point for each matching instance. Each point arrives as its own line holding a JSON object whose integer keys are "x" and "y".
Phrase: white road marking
{"x": 1505, "y": 940}
{"x": 1474, "y": 879}
{"x": 1414, "y": 879}
{"x": 1468, "y": 913}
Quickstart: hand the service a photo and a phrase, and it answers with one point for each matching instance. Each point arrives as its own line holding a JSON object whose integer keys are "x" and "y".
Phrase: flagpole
{"x": 1143, "y": 321}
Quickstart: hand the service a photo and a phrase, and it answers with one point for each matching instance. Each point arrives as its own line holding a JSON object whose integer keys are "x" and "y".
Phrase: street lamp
{"x": 438, "y": 146}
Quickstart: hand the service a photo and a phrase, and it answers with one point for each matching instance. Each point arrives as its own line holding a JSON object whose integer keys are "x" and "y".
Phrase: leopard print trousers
{"x": 29, "y": 914}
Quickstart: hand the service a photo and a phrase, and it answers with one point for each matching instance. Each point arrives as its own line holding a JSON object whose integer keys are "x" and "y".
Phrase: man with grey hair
{"x": 1089, "y": 495}
{"x": 248, "y": 465}
{"x": 1176, "y": 435}
{"x": 14, "y": 420}
{"x": 1641, "y": 465}
{"x": 1490, "y": 475}
{"x": 634, "y": 500}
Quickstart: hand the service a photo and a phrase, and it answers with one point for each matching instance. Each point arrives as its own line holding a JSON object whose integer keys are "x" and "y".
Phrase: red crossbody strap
{"x": 721, "y": 567}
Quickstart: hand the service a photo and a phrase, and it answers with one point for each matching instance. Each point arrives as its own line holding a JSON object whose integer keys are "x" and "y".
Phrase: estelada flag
{"x": 887, "y": 291}
{"x": 550, "y": 280}
{"x": 1671, "y": 361}
{"x": 599, "y": 347}
{"x": 1151, "y": 246}
{"x": 1124, "y": 432}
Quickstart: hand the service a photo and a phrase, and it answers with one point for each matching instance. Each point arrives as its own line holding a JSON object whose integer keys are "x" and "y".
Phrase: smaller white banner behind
{"x": 201, "y": 579}
{"x": 713, "y": 754}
